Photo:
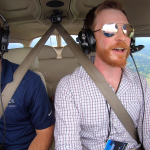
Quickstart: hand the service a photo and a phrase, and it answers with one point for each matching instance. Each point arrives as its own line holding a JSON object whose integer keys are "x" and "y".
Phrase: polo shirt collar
{"x": 7, "y": 72}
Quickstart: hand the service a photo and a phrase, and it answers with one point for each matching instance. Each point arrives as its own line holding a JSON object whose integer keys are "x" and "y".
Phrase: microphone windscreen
{"x": 140, "y": 47}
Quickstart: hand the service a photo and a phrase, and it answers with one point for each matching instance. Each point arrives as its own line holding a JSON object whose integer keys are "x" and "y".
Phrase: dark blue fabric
{"x": 28, "y": 109}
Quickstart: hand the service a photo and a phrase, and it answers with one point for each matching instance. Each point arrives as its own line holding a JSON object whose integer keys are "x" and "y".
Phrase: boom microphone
{"x": 137, "y": 48}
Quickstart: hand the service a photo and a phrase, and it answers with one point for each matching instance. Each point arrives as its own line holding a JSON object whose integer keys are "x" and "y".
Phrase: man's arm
{"x": 41, "y": 117}
{"x": 146, "y": 123}
{"x": 43, "y": 139}
{"x": 67, "y": 126}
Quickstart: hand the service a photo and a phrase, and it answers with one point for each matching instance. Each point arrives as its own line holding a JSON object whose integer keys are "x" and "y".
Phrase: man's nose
{"x": 120, "y": 35}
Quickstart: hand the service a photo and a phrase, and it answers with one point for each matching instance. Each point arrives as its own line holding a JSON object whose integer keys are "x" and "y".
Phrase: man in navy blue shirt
{"x": 29, "y": 117}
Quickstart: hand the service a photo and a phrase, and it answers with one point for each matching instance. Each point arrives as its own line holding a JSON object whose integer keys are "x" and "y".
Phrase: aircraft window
{"x": 15, "y": 45}
{"x": 63, "y": 43}
{"x": 50, "y": 42}
{"x": 142, "y": 58}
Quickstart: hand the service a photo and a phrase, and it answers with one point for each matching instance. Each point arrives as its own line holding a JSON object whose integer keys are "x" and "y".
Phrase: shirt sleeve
{"x": 67, "y": 127}
{"x": 145, "y": 118}
{"x": 40, "y": 110}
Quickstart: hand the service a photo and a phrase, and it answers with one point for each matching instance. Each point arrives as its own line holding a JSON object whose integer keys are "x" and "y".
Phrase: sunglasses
{"x": 111, "y": 29}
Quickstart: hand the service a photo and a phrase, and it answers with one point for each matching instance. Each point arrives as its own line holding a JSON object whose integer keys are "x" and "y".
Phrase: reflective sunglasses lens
{"x": 128, "y": 30}
{"x": 110, "y": 29}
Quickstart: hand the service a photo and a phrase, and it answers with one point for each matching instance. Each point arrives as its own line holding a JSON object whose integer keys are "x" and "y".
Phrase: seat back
{"x": 17, "y": 56}
{"x": 47, "y": 60}
{"x": 54, "y": 68}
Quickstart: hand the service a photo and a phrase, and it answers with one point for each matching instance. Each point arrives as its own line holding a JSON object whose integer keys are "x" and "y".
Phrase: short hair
{"x": 90, "y": 17}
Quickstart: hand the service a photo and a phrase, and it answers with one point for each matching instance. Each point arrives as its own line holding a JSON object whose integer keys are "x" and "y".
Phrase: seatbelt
{"x": 11, "y": 87}
{"x": 101, "y": 83}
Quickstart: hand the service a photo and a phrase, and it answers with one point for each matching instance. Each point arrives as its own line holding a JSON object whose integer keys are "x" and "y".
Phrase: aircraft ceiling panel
{"x": 20, "y": 10}
{"x": 32, "y": 15}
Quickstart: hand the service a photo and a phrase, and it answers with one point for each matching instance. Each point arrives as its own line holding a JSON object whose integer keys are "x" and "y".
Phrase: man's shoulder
{"x": 79, "y": 73}
{"x": 134, "y": 77}
{"x": 72, "y": 80}
{"x": 130, "y": 73}
{"x": 29, "y": 76}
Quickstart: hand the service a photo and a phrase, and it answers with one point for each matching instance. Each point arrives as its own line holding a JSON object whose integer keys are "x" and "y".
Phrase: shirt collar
{"x": 92, "y": 58}
{"x": 126, "y": 78}
{"x": 126, "y": 82}
{"x": 7, "y": 72}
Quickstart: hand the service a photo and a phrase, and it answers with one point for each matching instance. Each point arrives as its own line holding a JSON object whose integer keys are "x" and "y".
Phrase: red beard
{"x": 105, "y": 55}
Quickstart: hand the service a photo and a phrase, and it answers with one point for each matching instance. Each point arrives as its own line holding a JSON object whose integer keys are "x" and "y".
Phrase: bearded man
{"x": 84, "y": 119}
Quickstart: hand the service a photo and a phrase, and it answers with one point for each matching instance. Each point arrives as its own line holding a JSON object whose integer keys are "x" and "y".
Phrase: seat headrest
{"x": 17, "y": 56}
{"x": 47, "y": 52}
{"x": 66, "y": 52}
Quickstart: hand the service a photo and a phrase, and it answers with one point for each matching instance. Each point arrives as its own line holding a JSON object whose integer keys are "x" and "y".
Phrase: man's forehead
{"x": 110, "y": 16}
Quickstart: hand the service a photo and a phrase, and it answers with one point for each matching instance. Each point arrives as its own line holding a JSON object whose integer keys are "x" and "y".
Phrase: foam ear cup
{"x": 4, "y": 40}
{"x": 4, "y": 36}
{"x": 87, "y": 41}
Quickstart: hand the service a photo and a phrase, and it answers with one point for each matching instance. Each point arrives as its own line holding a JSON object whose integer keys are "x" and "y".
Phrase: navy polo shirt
{"x": 28, "y": 109}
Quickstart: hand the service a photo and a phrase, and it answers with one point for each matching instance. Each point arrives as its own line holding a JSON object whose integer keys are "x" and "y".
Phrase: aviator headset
{"x": 87, "y": 40}
{"x": 86, "y": 37}
{"x": 4, "y": 36}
